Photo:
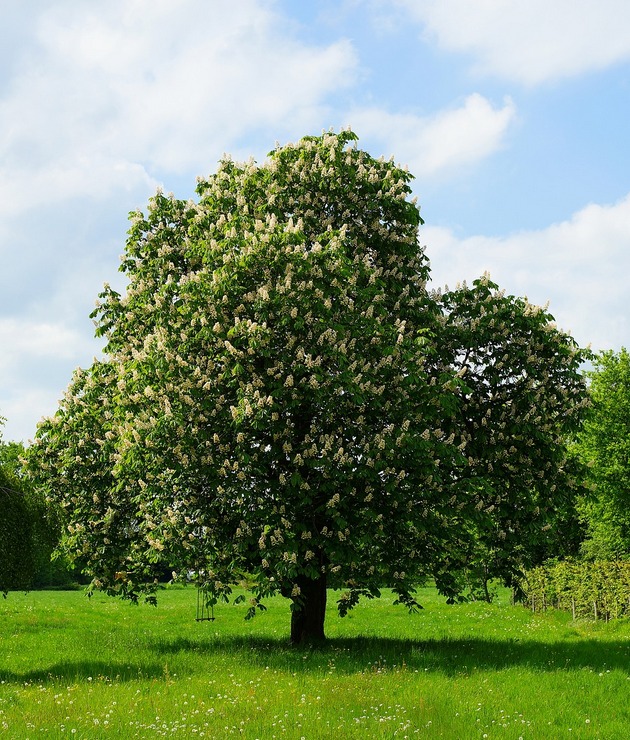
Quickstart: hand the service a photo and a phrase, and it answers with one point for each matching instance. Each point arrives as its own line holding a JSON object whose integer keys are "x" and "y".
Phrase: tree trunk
{"x": 307, "y": 615}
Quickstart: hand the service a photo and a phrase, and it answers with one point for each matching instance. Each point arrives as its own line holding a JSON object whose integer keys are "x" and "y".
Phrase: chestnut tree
{"x": 283, "y": 397}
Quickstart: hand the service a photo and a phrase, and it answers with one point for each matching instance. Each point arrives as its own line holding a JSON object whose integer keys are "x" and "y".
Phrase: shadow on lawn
{"x": 345, "y": 656}
{"x": 84, "y": 670}
{"x": 448, "y": 656}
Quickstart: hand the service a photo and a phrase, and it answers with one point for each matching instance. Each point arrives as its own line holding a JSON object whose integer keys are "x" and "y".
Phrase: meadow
{"x": 101, "y": 668}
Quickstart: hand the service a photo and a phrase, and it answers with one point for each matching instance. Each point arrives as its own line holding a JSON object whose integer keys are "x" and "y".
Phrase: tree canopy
{"x": 283, "y": 396}
{"x": 604, "y": 445}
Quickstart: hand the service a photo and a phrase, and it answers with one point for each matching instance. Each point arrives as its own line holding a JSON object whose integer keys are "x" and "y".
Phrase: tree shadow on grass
{"x": 84, "y": 670}
{"x": 345, "y": 656}
{"x": 448, "y": 656}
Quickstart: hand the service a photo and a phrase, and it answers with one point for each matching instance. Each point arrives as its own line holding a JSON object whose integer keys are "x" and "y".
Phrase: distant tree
{"x": 11, "y": 456}
{"x": 30, "y": 527}
{"x": 282, "y": 396}
{"x": 604, "y": 445}
{"x": 16, "y": 555}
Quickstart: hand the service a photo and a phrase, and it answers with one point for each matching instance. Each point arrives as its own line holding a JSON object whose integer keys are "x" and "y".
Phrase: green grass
{"x": 100, "y": 668}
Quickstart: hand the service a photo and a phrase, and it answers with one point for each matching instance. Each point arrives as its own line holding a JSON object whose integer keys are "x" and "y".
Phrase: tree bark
{"x": 308, "y": 614}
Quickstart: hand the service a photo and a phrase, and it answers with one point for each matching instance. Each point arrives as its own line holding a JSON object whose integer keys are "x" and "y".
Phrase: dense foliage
{"x": 604, "y": 445}
{"x": 29, "y": 526}
{"x": 16, "y": 556}
{"x": 283, "y": 396}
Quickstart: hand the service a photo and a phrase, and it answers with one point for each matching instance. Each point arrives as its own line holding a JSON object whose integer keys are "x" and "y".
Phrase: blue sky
{"x": 512, "y": 115}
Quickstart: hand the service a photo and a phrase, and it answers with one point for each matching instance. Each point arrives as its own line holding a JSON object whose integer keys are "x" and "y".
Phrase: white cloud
{"x": 175, "y": 78}
{"x": 36, "y": 361}
{"x": 23, "y": 409}
{"x": 532, "y": 41}
{"x": 575, "y": 265}
{"x": 439, "y": 143}
{"x": 37, "y": 341}
{"x": 111, "y": 93}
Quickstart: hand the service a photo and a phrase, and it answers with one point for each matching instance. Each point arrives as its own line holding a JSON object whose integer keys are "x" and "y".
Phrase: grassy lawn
{"x": 100, "y": 668}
